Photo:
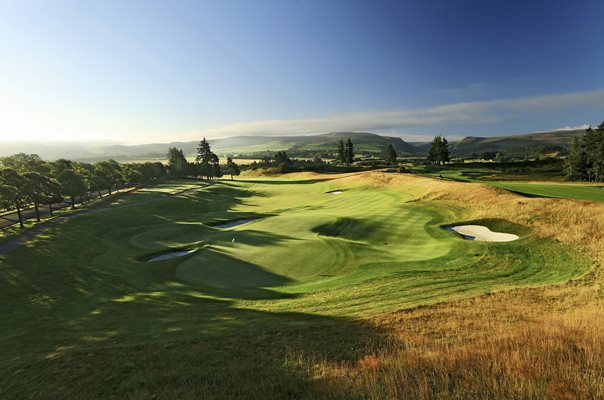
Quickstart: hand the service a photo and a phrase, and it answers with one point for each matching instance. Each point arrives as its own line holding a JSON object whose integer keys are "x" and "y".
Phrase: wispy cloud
{"x": 479, "y": 112}
{"x": 471, "y": 88}
{"x": 568, "y": 128}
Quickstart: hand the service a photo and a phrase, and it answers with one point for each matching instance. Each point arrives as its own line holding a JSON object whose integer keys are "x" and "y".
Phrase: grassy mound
{"x": 348, "y": 228}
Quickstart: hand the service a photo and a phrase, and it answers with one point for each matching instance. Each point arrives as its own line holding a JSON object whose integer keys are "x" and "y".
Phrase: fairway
{"x": 576, "y": 190}
{"x": 565, "y": 191}
{"x": 303, "y": 259}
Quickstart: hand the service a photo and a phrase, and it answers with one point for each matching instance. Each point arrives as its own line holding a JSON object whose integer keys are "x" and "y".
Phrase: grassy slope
{"x": 480, "y": 144}
{"x": 115, "y": 325}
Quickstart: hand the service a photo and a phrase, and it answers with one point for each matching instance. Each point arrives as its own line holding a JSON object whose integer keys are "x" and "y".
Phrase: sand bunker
{"x": 167, "y": 256}
{"x": 481, "y": 233}
{"x": 334, "y": 192}
{"x": 233, "y": 223}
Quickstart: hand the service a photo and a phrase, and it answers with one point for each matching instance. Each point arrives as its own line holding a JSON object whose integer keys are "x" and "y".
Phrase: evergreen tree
{"x": 341, "y": 152}
{"x": 232, "y": 168}
{"x": 444, "y": 150}
{"x": 349, "y": 152}
{"x": 209, "y": 163}
{"x": 586, "y": 161}
{"x": 282, "y": 159}
{"x": 391, "y": 155}
{"x": 439, "y": 150}
{"x": 573, "y": 170}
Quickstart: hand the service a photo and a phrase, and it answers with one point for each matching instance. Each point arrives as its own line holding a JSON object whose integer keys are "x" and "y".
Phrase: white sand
{"x": 482, "y": 233}
{"x": 168, "y": 256}
{"x": 335, "y": 192}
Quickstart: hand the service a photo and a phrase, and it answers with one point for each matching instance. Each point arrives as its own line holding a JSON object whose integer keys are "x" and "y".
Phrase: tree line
{"x": 586, "y": 159}
{"x": 206, "y": 165}
{"x": 26, "y": 179}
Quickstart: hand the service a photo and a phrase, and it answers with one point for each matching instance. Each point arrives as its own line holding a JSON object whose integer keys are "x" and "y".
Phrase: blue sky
{"x": 141, "y": 71}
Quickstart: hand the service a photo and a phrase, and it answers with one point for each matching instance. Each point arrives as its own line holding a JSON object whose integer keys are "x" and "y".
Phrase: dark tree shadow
{"x": 84, "y": 319}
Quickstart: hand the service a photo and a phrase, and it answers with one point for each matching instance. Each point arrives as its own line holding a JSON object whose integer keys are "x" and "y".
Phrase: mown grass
{"x": 565, "y": 191}
{"x": 521, "y": 184}
{"x": 301, "y": 307}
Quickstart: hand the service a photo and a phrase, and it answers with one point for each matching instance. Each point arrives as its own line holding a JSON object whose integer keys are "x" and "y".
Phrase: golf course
{"x": 266, "y": 287}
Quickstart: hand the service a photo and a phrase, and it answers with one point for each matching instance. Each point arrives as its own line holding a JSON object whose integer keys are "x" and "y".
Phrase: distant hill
{"x": 246, "y": 145}
{"x": 237, "y": 145}
{"x": 473, "y": 144}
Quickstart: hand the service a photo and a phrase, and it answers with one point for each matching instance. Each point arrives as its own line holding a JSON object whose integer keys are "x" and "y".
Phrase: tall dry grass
{"x": 538, "y": 343}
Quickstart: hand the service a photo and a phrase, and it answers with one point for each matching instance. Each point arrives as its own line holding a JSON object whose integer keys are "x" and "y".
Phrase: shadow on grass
{"x": 84, "y": 319}
{"x": 171, "y": 341}
{"x": 285, "y": 181}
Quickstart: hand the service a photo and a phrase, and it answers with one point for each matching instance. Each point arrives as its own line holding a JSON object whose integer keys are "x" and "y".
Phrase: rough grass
{"x": 305, "y": 306}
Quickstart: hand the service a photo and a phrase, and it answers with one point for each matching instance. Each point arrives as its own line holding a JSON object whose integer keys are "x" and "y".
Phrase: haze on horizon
{"x": 159, "y": 71}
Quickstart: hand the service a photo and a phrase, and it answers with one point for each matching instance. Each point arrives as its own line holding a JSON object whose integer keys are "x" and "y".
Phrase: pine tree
{"x": 391, "y": 155}
{"x": 207, "y": 160}
{"x": 586, "y": 161}
{"x": 341, "y": 152}
{"x": 232, "y": 168}
{"x": 439, "y": 150}
{"x": 573, "y": 172}
{"x": 443, "y": 153}
{"x": 349, "y": 152}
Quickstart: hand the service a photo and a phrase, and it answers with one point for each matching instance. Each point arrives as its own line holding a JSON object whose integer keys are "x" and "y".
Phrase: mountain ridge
{"x": 254, "y": 145}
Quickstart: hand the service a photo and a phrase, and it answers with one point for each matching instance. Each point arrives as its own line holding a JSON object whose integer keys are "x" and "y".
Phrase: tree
{"x": 72, "y": 184}
{"x": 152, "y": 171}
{"x": 208, "y": 161}
{"x": 25, "y": 163}
{"x": 52, "y": 193}
{"x": 282, "y": 159}
{"x": 444, "y": 150}
{"x": 33, "y": 186}
{"x": 341, "y": 152}
{"x": 439, "y": 150}
{"x": 574, "y": 161}
{"x": 8, "y": 197}
{"x": 349, "y": 152}
{"x": 133, "y": 173}
{"x": 12, "y": 190}
{"x": 177, "y": 162}
{"x": 232, "y": 168}
{"x": 110, "y": 174}
{"x": 391, "y": 155}
{"x": 586, "y": 159}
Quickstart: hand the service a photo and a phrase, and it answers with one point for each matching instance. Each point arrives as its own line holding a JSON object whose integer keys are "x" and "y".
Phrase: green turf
{"x": 559, "y": 190}
{"x": 580, "y": 191}
{"x": 85, "y": 316}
